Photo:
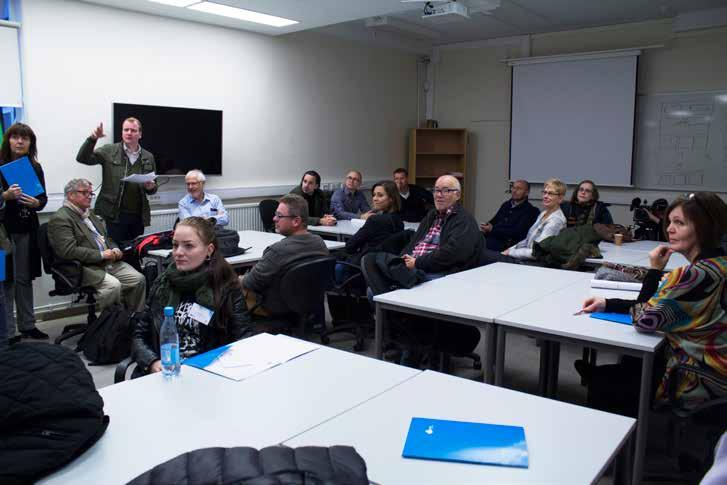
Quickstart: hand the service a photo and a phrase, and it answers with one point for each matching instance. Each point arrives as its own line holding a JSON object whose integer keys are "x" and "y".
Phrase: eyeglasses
{"x": 281, "y": 216}
{"x": 85, "y": 193}
{"x": 551, "y": 193}
{"x": 444, "y": 191}
{"x": 586, "y": 190}
{"x": 355, "y": 179}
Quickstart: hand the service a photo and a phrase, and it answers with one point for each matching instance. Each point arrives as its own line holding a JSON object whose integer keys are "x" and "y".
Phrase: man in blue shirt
{"x": 349, "y": 202}
{"x": 199, "y": 203}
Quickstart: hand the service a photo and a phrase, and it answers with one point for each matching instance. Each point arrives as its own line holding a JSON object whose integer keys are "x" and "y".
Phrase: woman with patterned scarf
{"x": 687, "y": 305}
{"x": 199, "y": 278}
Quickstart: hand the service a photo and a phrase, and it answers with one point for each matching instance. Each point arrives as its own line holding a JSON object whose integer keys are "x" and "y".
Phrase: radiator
{"x": 242, "y": 217}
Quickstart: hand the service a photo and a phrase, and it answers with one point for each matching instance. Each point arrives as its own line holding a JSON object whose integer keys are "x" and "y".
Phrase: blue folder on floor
{"x": 623, "y": 318}
{"x": 461, "y": 441}
{"x": 21, "y": 172}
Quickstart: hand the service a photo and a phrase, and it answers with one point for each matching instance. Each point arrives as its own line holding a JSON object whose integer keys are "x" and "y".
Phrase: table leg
{"x": 543, "y": 373}
{"x": 623, "y": 463}
{"x": 500, "y": 359}
{"x": 553, "y": 368}
{"x": 379, "y": 332}
{"x": 647, "y": 364}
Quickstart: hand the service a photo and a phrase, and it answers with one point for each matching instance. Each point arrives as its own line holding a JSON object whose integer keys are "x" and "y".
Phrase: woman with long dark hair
{"x": 584, "y": 206}
{"x": 687, "y": 305}
{"x": 21, "y": 223}
{"x": 198, "y": 276}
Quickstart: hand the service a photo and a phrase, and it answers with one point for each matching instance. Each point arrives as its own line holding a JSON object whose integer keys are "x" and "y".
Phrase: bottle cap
{"x": 168, "y": 311}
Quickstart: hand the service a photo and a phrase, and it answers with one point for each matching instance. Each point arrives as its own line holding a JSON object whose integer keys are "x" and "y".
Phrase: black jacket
{"x": 375, "y": 231}
{"x": 511, "y": 224}
{"x": 317, "y": 204}
{"x": 50, "y": 411}
{"x": 416, "y": 206}
{"x": 145, "y": 336}
{"x": 574, "y": 212}
{"x": 274, "y": 465}
{"x": 460, "y": 243}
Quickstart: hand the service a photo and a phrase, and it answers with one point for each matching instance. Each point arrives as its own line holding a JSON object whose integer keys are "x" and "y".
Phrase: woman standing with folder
{"x": 21, "y": 223}
{"x": 688, "y": 305}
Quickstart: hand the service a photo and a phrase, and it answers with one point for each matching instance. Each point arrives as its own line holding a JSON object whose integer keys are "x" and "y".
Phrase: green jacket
{"x": 113, "y": 161}
{"x": 71, "y": 239}
{"x": 556, "y": 250}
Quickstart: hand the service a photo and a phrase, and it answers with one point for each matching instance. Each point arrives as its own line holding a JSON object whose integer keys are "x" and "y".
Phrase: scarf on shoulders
{"x": 174, "y": 283}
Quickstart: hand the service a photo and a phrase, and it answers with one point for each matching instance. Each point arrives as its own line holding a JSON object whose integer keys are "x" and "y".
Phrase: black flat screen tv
{"x": 181, "y": 139}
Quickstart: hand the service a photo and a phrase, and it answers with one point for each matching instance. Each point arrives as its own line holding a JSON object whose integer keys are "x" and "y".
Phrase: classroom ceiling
{"x": 407, "y": 29}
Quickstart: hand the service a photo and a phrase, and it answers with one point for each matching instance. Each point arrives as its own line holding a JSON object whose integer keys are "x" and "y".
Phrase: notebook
{"x": 465, "y": 442}
{"x": 623, "y": 318}
{"x": 21, "y": 172}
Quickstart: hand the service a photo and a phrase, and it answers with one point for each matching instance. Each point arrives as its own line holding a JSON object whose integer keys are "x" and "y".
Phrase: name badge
{"x": 202, "y": 314}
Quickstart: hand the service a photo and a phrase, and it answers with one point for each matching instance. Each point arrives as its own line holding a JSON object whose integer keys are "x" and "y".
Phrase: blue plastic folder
{"x": 464, "y": 442}
{"x": 21, "y": 172}
{"x": 623, "y": 318}
{"x": 203, "y": 360}
{"x": 2, "y": 265}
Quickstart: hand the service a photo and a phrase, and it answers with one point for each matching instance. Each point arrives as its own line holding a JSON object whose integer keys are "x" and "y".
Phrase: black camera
{"x": 645, "y": 226}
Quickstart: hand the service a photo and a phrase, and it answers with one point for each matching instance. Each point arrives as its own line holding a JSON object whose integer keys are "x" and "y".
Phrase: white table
{"x": 257, "y": 241}
{"x": 635, "y": 253}
{"x": 552, "y": 318}
{"x": 566, "y": 443}
{"x": 345, "y": 229}
{"x": 153, "y": 420}
{"x": 474, "y": 297}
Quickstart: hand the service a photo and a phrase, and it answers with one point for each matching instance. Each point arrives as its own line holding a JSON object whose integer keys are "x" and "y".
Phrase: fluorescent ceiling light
{"x": 176, "y": 3}
{"x": 242, "y": 14}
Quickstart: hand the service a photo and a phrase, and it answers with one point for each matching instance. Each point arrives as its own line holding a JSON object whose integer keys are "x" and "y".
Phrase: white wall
{"x": 473, "y": 91}
{"x": 292, "y": 103}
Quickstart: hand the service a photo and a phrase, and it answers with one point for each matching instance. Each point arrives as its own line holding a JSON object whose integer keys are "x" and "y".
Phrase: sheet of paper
{"x": 616, "y": 285}
{"x": 245, "y": 358}
{"x": 140, "y": 178}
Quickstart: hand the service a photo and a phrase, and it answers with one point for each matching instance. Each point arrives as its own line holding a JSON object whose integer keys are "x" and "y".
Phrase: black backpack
{"x": 108, "y": 339}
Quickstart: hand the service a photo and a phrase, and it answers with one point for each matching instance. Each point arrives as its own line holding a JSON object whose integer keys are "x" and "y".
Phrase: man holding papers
{"x": 123, "y": 205}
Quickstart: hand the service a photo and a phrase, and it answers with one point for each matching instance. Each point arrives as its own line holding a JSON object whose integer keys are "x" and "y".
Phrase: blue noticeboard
{"x": 21, "y": 172}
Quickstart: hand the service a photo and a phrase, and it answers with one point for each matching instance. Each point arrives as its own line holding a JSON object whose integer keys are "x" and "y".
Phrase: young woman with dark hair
{"x": 584, "y": 206}
{"x": 198, "y": 276}
{"x": 687, "y": 305}
{"x": 21, "y": 223}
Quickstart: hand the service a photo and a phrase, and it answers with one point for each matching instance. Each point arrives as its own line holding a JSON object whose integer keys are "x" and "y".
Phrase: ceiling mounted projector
{"x": 445, "y": 8}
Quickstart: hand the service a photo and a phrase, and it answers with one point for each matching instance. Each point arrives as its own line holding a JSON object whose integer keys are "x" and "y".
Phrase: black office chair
{"x": 709, "y": 418}
{"x": 267, "y": 208}
{"x": 67, "y": 276}
{"x": 350, "y": 309}
{"x": 302, "y": 288}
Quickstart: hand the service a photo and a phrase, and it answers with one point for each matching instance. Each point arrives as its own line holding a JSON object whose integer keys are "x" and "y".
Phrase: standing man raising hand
{"x": 124, "y": 206}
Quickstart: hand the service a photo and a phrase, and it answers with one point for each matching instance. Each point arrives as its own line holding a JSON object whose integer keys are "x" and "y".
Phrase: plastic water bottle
{"x": 169, "y": 340}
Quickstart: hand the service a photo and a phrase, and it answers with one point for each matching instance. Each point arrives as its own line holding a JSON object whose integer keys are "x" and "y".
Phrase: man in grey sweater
{"x": 263, "y": 280}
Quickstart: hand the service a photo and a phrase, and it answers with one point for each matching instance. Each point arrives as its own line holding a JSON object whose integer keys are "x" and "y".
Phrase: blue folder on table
{"x": 461, "y": 441}
{"x": 623, "y": 318}
{"x": 21, "y": 172}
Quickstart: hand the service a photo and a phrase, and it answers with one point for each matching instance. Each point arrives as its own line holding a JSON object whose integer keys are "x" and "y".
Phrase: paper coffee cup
{"x": 618, "y": 239}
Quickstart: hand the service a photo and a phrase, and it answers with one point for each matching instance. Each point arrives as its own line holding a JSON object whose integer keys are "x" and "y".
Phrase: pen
{"x": 580, "y": 312}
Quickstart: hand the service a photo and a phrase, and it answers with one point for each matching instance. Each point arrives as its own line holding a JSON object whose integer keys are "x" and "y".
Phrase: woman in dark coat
{"x": 21, "y": 223}
{"x": 198, "y": 276}
{"x": 584, "y": 206}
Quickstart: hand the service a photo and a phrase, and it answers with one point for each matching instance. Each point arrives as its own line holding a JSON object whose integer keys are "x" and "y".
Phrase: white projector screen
{"x": 573, "y": 119}
{"x": 10, "y": 92}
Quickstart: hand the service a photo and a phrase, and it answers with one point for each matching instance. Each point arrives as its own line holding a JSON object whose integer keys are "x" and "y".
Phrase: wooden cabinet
{"x": 434, "y": 152}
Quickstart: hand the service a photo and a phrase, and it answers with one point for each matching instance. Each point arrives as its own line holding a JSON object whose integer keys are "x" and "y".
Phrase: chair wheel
{"x": 477, "y": 365}
{"x": 325, "y": 340}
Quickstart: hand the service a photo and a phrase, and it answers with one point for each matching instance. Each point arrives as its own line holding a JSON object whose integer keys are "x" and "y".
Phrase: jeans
{"x": 19, "y": 287}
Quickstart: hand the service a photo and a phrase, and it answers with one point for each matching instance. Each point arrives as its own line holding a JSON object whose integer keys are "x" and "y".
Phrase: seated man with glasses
{"x": 349, "y": 202}
{"x": 549, "y": 223}
{"x": 76, "y": 233}
{"x": 291, "y": 220}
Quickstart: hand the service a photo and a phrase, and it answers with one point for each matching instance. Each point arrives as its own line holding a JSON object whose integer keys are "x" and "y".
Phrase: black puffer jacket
{"x": 50, "y": 411}
{"x": 274, "y": 465}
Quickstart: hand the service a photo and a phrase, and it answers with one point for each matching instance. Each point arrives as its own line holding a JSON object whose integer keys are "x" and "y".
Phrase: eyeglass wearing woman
{"x": 688, "y": 304}
{"x": 199, "y": 276}
{"x": 21, "y": 223}
{"x": 584, "y": 206}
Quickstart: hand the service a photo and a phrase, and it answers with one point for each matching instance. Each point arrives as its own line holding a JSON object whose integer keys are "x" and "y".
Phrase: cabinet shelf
{"x": 434, "y": 152}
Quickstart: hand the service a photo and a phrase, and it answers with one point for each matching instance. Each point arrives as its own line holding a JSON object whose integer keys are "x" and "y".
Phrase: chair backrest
{"x": 267, "y": 208}
{"x": 46, "y": 251}
{"x": 303, "y": 285}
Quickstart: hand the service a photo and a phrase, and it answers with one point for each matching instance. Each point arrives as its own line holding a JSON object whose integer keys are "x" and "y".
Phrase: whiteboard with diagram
{"x": 681, "y": 142}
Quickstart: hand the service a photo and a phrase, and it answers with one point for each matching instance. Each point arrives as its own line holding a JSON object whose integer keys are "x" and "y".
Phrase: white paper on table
{"x": 616, "y": 285}
{"x": 256, "y": 354}
{"x": 140, "y": 178}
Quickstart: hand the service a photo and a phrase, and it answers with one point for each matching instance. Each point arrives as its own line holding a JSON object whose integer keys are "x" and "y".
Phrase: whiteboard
{"x": 10, "y": 90}
{"x": 681, "y": 141}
